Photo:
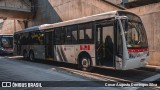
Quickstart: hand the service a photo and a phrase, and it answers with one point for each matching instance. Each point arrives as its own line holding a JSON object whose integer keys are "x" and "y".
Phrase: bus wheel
{"x": 25, "y": 55}
{"x": 85, "y": 64}
{"x": 31, "y": 56}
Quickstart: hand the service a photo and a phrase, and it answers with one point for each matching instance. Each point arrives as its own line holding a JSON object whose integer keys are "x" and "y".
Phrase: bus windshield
{"x": 7, "y": 42}
{"x": 135, "y": 35}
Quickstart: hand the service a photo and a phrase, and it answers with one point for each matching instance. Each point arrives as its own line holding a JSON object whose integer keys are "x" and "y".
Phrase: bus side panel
{"x": 135, "y": 63}
{"x": 90, "y": 49}
{"x": 65, "y": 53}
{"x": 69, "y": 53}
{"x": 22, "y": 48}
{"x": 39, "y": 51}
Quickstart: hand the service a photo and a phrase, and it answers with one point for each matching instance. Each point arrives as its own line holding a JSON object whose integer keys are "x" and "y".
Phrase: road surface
{"x": 16, "y": 69}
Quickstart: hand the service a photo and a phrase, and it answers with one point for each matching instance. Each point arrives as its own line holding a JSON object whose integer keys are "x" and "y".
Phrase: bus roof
{"x": 28, "y": 29}
{"x": 74, "y": 21}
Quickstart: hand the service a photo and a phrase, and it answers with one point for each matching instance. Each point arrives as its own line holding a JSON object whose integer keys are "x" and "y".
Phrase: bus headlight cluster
{"x": 133, "y": 55}
{"x": 137, "y": 54}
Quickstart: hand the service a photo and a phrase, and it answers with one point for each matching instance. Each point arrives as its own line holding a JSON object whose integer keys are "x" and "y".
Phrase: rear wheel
{"x": 85, "y": 63}
{"x": 31, "y": 56}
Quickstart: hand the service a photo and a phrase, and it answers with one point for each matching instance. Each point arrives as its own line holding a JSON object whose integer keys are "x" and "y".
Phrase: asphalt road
{"x": 17, "y": 69}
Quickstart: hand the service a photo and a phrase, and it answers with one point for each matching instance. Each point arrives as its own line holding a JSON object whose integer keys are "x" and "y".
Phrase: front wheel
{"x": 31, "y": 56}
{"x": 85, "y": 64}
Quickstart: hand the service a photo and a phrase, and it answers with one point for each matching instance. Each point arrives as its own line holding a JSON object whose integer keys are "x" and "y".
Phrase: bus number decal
{"x": 84, "y": 47}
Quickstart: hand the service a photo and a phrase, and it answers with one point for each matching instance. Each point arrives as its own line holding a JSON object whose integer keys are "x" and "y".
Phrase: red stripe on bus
{"x": 138, "y": 50}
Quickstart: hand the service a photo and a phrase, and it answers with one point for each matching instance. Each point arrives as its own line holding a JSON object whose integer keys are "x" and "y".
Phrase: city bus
{"x": 6, "y": 44}
{"x": 115, "y": 39}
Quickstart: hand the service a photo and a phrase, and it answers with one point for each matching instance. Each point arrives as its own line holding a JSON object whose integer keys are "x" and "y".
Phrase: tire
{"x": 85, "y": 64}
{"x": 31, "y": 56}
{"x": 25, "y": 55}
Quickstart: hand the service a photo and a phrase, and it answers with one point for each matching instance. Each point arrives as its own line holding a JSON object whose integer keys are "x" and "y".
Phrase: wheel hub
{"x": 84, "y": 62}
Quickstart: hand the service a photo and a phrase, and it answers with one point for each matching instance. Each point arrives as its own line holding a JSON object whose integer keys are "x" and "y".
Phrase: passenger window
{"x": 71, "y": 36}
{"x": 35, "y": 38}
{"x": 74, "y": 36}
{"x": 59, "y": 36}
{"x": 85, "y": 33}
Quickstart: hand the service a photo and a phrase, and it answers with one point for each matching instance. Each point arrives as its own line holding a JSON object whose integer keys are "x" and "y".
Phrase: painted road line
{"x": 152, "y": 78}
{"x": 95, "y": 75}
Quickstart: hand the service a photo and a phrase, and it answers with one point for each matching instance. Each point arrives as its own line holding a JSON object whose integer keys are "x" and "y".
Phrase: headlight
{"x": 132, "y": 55}
{"x": 137, "y": 54}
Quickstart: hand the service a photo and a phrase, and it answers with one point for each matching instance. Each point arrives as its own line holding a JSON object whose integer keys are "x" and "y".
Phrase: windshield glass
{"x": 7, "y": 42}
{"x": 134, "y": 31}
{"x": 135, "y": 35}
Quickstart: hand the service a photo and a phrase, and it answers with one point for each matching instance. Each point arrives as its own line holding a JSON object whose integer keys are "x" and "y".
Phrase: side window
{"x": 74, "y": 36}
{"x": 36, "y": 38}
{"x": 59, "y": 36}
{"x": 71, "y": 34}
{"x": 85, "y": 33}
{"x": 41, "y": 37}
{"x": 23, "y": 39}
{"x": 49, "y": 37}
{"x": 68, "y": 35}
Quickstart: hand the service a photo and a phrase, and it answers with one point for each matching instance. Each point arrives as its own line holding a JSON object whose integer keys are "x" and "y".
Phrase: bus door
{"x": 49, "y": 45}
{"x": 105, "y": 43}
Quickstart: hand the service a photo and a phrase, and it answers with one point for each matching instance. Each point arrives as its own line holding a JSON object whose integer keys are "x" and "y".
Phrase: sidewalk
{"x": 151, "y": 68}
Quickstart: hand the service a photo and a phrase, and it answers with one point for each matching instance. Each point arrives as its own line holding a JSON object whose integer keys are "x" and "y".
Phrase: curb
{"x": 151, "y": 68}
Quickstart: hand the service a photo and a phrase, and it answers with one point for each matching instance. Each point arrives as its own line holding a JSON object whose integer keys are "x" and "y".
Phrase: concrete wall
{"x": 10, "y": 26}
{"x": 150, "y": 16}
{"x": 51, "y": 11}
{"x": 15, "y": 9}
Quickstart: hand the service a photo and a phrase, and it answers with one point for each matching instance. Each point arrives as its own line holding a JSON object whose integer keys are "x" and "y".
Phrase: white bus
{"x": 6, "y": 44}
{"x": 115, "y": 39}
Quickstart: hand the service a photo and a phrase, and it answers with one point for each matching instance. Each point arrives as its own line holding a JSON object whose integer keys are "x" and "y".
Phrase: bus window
{"x": 68, "y": 35}
{"x": 85, "y": 33}
{"x": 59, "y": 36}
{"x": 88, "y": 34}
{"x": 71, "y": 34}
{"x": 74, "y": 36}
{"x": 23, "y": 39}
{"x": 36, "y": 38}
{"x": 81, "y": 36}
